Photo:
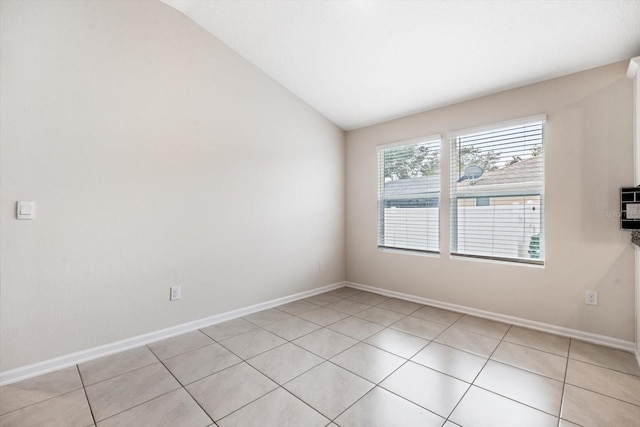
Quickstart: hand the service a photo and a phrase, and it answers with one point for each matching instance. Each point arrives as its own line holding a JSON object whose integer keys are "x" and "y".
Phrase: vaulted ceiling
{"x": 364, "y": 62}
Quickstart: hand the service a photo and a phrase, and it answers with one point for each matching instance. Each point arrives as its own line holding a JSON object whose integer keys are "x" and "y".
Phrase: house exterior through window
{"x": 497, "y": 192}
{"x": 409, "y": 195}
{"x": 496, "y": 207}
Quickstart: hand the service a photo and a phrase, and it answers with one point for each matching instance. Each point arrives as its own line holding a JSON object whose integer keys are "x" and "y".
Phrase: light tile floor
{"x": 343, "y": 358}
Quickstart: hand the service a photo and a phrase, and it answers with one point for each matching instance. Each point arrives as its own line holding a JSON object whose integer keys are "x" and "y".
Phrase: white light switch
{"x": 26, "y": 210}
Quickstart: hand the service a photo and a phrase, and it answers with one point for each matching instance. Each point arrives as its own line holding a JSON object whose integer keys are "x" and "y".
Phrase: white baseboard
{"x": 50, "y": 365}
{"x": 531, "y": 324}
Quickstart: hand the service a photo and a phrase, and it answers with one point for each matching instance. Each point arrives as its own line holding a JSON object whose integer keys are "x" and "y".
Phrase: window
{"x": 497, "y": 189}
{"x": 409, "y": 195}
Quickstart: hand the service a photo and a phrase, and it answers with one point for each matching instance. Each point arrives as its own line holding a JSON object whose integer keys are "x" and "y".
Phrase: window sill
{"x": 428, "y": 254}
{"x": 535, "y": 264}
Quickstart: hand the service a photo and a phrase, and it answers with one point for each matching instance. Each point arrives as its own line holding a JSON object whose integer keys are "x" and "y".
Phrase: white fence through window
{"x": 411, "y": 228}
{"x": 499, "y": 230}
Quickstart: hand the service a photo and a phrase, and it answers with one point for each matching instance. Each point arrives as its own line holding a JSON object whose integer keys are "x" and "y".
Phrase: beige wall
{"x": 588, "y": 146}
{"x": 157, "y": 156}
{"x": 636, "y": 145}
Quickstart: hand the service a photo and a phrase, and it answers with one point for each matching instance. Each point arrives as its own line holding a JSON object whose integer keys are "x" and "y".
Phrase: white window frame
{"x": 380, "y": 149}
{"x": 535, "y": 189}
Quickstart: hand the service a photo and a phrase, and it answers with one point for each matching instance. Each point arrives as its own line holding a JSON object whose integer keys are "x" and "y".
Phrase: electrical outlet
{"x": 321, "y": 266}
{"x": 591, "y": 297}
{"x": 176, "y": 293}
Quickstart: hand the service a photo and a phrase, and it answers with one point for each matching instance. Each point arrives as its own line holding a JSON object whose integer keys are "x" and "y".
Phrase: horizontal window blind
{"x": 497, "y": 189}
{"x": 409, "y": 196}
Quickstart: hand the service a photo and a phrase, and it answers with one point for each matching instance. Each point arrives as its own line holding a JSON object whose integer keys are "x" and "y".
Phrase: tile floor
{"x": 343, "y": 358}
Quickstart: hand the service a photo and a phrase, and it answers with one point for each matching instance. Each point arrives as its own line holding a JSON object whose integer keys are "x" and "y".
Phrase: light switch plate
{"x": 26, "y": 209}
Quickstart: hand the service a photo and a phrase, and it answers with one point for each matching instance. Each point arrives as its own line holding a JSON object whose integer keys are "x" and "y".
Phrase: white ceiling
{"x": 364, "y": 62}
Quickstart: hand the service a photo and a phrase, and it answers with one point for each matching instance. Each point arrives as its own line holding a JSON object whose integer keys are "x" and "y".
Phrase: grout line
{"x": 604, "y": 367}
{"x": 564, "y": 381}
{"x": 536, "y": 348}
{"x": 593, "y": 338}
{"x": 405, "y": 399}
{"x": 160, "y": 395}
{"x": 516, "y": 401}
{"x": 502, "y": 339}
{"x": 479, "y": 372}
{"x": 40, "y": 401}
{"x": 187, "y": 391}
{"x": 44, "y": 400}
{"x": 140, "y": 404}
{"x": 324, "y": 360}
{"x": 134, "y": 370}
{"x": 254, "y": 355}
{"x": 369, "y": 391}
{"x": 314, "y": 409}
{"x": 187, "y": 351}
{"x": 328, "y": 360}
{"x": 86, "y": 396}
{"x": 84, "y": 387}
{"x": 235, "y": 410}
{"x": 122, "y": 373}
{"x": 191, "y": 351}
{"x": 604, "y": 395}
{"x": 406, "y": 360}
{"x": 598, "y": 366}
{"x": 507, "y": 397}
{"x": 359, "y": 341}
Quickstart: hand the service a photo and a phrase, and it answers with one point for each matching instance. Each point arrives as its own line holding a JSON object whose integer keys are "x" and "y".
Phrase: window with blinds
{"x": 409, "y": 195}
{"x": 497, "y": 191}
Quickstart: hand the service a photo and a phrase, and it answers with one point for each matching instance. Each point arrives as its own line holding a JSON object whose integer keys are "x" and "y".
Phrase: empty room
{"x": 319, "y": 213}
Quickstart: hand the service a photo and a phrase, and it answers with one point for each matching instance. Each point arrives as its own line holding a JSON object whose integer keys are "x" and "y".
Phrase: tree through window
{"x": 409, "y": 195}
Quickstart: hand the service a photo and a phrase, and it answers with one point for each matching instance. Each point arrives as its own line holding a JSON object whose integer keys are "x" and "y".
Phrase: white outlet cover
{"x": 175, "y": 293}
